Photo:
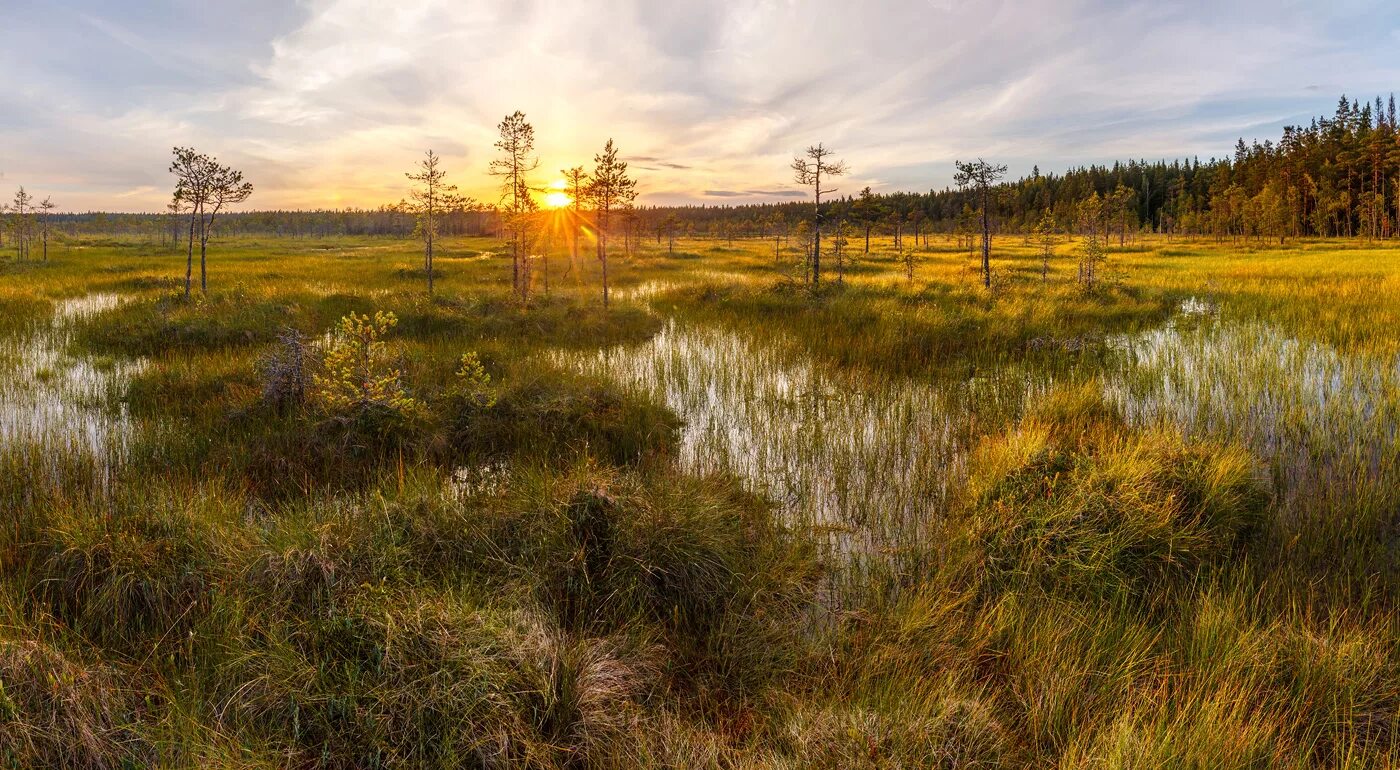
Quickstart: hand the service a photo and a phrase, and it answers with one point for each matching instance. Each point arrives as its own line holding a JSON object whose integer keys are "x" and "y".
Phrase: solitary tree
{"x": 576, "y": 181}
{"x": 610, "y": 190}
{"x": 779, "y": 225}
{"x": 808, "y": 170}
{"x": 45, "y": 206}
{"x": 22, "y": 208}
{"x": 431, "y": 198}
{"x": 1121, "y": 205}
{"x": 868, "y": 211}
{"x": 226, "y": 188}
{"x": 206, "y": 187}
{"x": 670, "y": 227}
{"x": 1047, "y": 235}
{"x": 1090, "y": 211}
{"x": 517, "y": 145}
{"x": 190, "y": 169}
{"x": 980, "y": 176}
{"x": 1090, "y": 261}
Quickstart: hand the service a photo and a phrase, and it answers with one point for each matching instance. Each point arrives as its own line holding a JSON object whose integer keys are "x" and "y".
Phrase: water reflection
{"x": 870, "y": 460}
{"x": 58, "y": 401}
{"x": 866, "y": 458}
{"x": 1325, "y": 422}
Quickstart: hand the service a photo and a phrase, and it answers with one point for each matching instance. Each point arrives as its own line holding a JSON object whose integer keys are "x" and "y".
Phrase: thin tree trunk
{"x": 986, "y": 244}
{"x": 817, "y": 228}
{"x": 189, "y": 254}
{"x": 603, "y": 255}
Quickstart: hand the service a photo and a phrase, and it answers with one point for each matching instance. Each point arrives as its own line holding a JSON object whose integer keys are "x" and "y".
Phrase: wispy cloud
{"x": 326, "y": 102}
{"x": 755, "y": 194}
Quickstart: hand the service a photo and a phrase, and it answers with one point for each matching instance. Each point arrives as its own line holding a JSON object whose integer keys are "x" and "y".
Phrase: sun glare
{"x": 557, "y": 199}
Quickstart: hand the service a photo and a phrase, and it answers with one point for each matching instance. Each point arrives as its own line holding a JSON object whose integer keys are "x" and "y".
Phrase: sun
{"x": 556, "y": 198}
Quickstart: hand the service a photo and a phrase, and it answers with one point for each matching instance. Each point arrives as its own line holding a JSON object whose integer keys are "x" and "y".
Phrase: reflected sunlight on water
{"x": 56, "y": 400}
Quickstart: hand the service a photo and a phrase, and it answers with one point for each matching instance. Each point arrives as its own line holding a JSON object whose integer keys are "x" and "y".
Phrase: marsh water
{"x": 57, "y": 401}
{"x": 1322, "y": 422}
{"x": 870, "y": 459}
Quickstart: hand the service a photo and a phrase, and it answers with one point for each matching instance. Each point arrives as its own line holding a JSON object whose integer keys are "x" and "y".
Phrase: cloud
{"x": 754, "y": 194}
{"x": 327, "y": 102}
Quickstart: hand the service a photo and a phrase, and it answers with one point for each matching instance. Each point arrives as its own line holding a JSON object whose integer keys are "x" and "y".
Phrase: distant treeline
{"x": 391, "y": 221}
{"x": 1337, "y": 177}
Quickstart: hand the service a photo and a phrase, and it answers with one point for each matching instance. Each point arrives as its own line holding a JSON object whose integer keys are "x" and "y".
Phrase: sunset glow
{"x": 709, "y": 99}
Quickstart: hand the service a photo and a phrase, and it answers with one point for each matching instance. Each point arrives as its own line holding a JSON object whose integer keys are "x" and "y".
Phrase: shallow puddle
{"x": 870, "y": 459}
{"x": 53, "y": 400}
{"x": 867, "y": 458}
{"x": 1324, "y": 422}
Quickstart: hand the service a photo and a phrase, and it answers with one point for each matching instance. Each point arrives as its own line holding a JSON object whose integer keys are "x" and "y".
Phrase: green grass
{"x": 727, "y": 522}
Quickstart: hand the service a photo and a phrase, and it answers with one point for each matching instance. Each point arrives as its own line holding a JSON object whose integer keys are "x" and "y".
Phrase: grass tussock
{"x": 1098, "y": 512}
{"x": 1111, "y": 594}
{"x": 59, "y": 712}
{"x": 557, "y": 414}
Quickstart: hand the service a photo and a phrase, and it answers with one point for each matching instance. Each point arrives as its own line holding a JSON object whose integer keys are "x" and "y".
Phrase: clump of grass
{"x": 142, "y": 573}
{"x": 220, "y": 320}
{"x": 56, "y": 711}
{"x": 1092, "y": 511}
{"x": 20, "y": 308}
{"x": 407, "y": 679}
{"x": 551, "y": 413}
{"x": 706, "y": 565}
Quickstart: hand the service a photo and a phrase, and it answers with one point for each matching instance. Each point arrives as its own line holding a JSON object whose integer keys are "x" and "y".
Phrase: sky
{"x": 326, "y": 103}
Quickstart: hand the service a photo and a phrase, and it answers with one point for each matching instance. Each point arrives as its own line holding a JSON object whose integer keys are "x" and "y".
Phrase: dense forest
{"x": 1339, "y": 176}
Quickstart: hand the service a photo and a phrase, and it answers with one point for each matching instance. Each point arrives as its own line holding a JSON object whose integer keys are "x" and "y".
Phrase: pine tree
{"x": 809, "y": 170}
{"x": 517, "y": 145}
{"x": 431, "y": 199}
{"x": 610, "y": 190}
{"x": 979, "y": 176}
{"x": 1047, "y": 237}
